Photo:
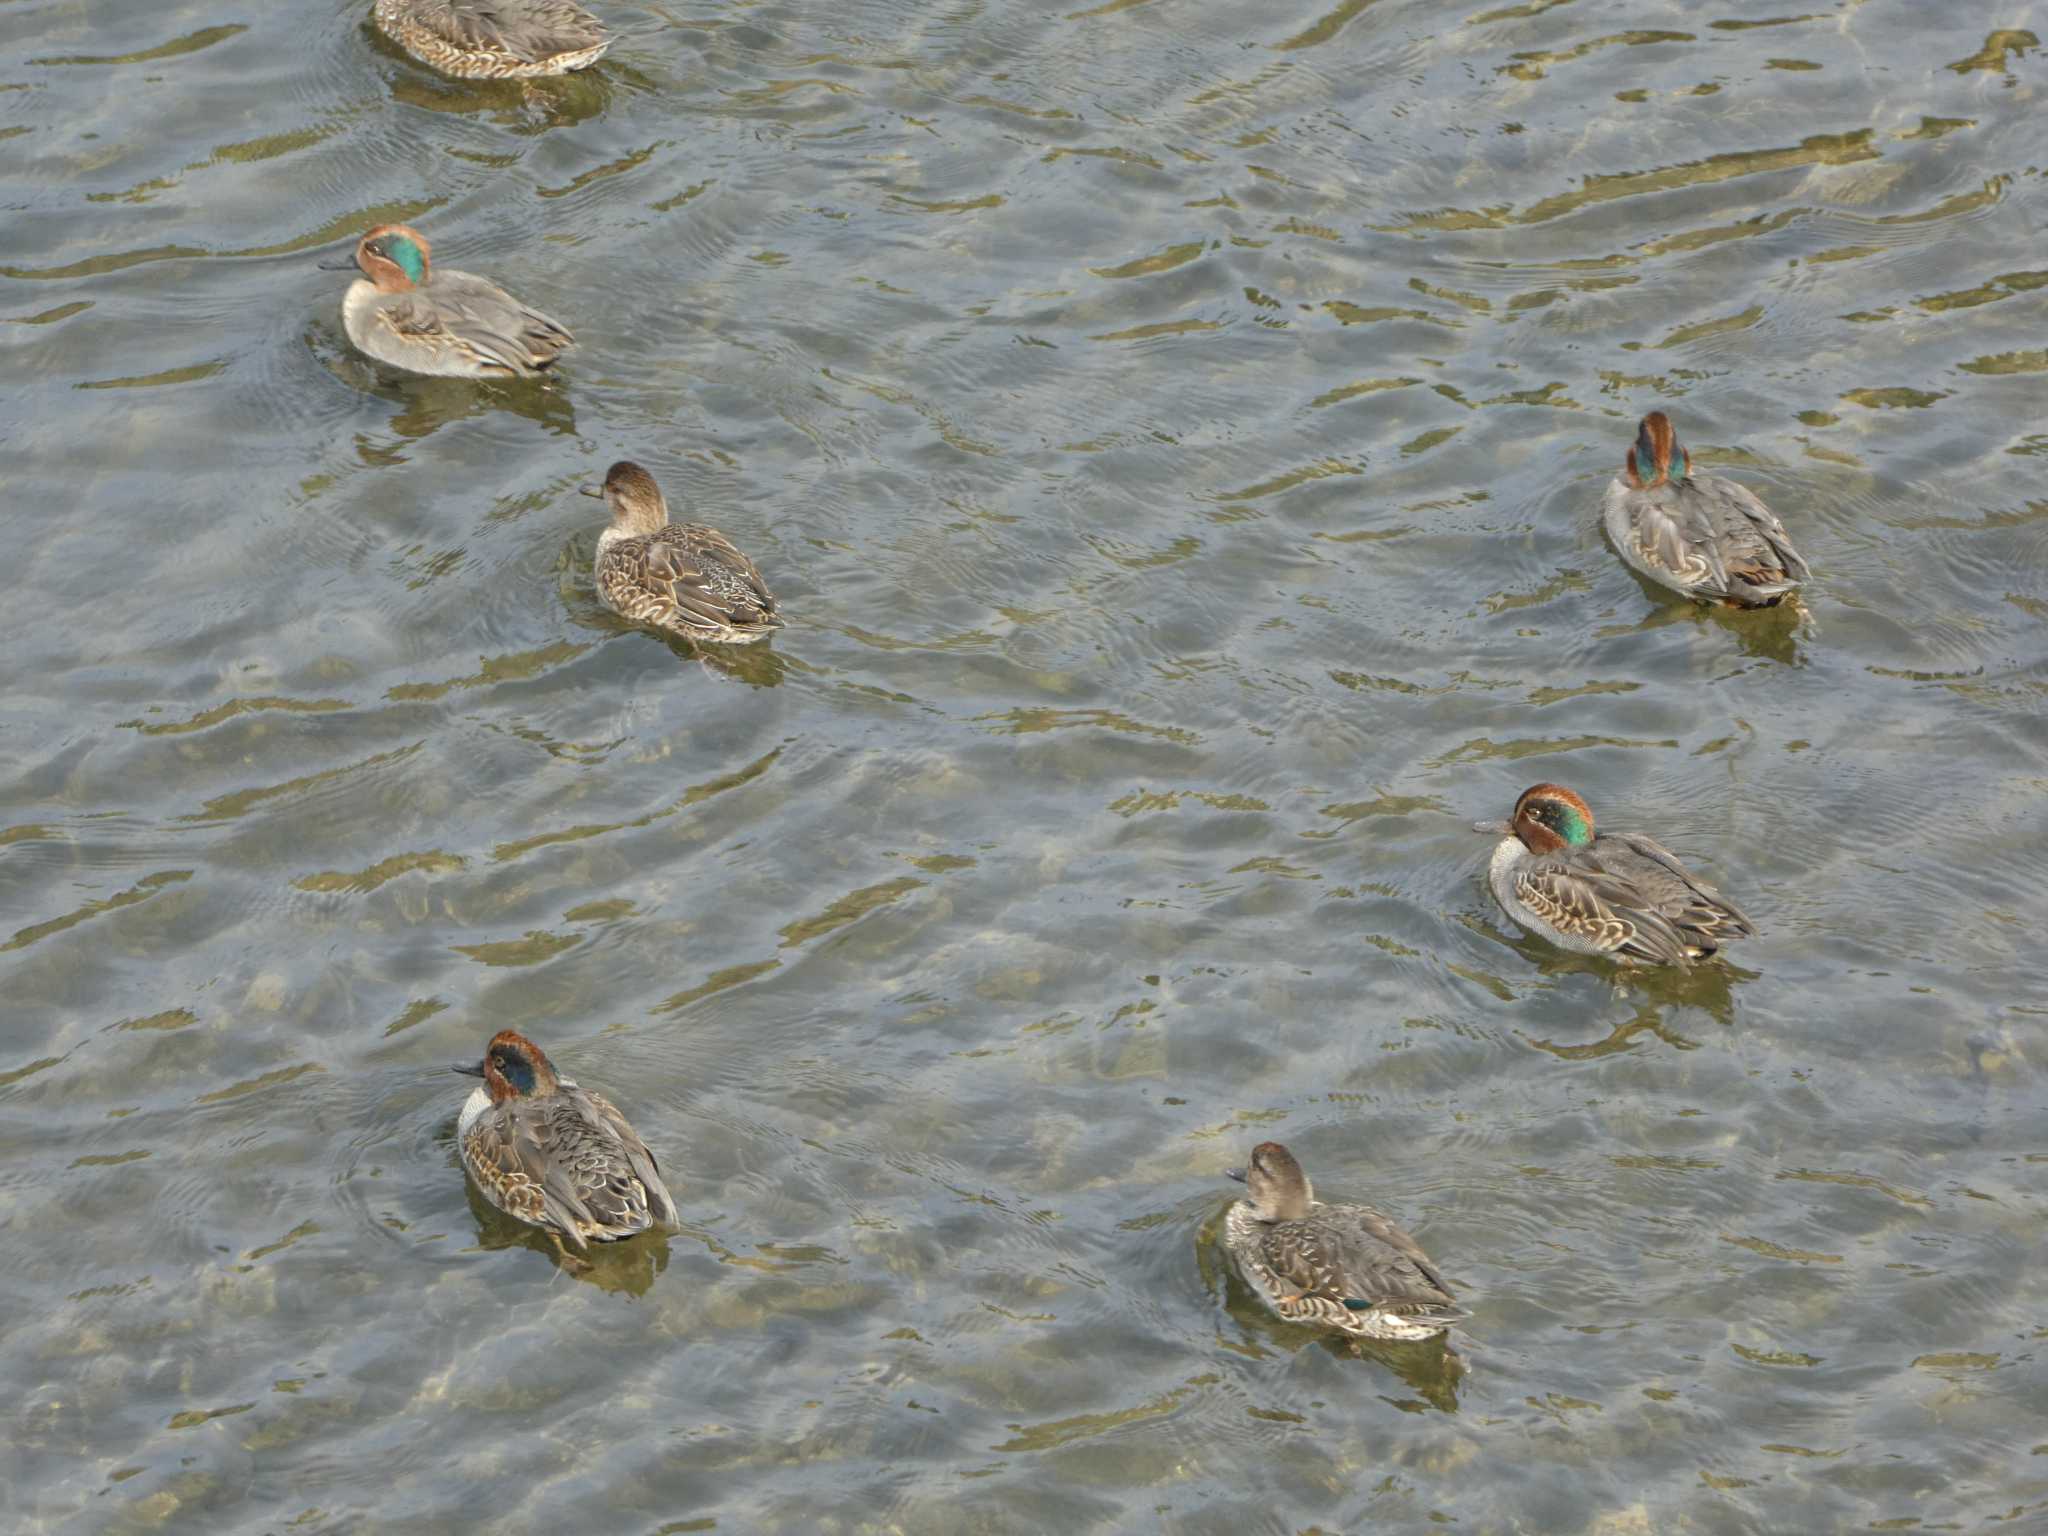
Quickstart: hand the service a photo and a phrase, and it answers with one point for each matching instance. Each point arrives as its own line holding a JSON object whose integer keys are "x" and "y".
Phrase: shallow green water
{"x": 1175, "y": 430}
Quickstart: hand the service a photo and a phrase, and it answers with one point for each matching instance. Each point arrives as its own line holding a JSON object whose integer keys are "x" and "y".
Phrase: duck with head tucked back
{"x": 494, "y": 39}
{"x": 1700, "y": 535}
{"x": 1338, "y": 1266}
{"x": 1618, "y": 894}
{"x": 405, "y": 312}
{"x": 681, "y": 577}
{"x": 554, "y": 1155}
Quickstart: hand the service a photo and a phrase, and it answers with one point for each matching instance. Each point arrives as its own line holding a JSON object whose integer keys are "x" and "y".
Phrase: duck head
{"x": 1274, "y": 1183}
{"x": 1547, "y": 817}
{"x": 514, "y": 1068}
{"x": 636, "y": 501}
{"x": 1656, "y": 454}
{"x": 394, "y": 257}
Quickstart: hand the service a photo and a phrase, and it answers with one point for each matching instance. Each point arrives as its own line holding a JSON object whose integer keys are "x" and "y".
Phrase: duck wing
{"x": 1705, "y": 537}
{"x": 1629, "y": 895}
{"x": 708, "y": 581}
{"x": 590, "y": 1166}
{"x": 1354, "y": 1256}
{"x": 655, "y": 1202}
{"x": 531, "y": 30}
{"x": 1696, "y": 909}
{"x": 486, "y": 324}
{"x": 510, "y": 1152}
{"x": 1751, "y": 542}
{"x": 1577, "y": 893}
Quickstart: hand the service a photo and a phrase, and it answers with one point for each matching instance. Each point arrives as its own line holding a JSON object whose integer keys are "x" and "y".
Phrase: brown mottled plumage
{"x": 1702, "y": 536}
{"x": 554, "y": 1155}
{"x": 494, "y": 39}
{"x": 1619, "y": 894}
{"x": 1346, "y": 1267}
{"x": 681, "y": 577}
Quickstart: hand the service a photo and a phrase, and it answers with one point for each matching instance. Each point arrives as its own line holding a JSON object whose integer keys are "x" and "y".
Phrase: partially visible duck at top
{"x": 681, "y": 577}
{"x": 1700, "y": 535}
{"x": 406, "y": 312}
{"x": 1346, "y": 1267}
{"x": 1618, "y": 894}
{"x": 494, "y": 39}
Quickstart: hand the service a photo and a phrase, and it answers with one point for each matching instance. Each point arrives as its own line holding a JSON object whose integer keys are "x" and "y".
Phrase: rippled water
{"x": 1175, "y": 430}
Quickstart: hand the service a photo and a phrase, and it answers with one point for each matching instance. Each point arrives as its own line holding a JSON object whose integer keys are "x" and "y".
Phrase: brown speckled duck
{"x": 1700, "y": 535}
{"x": 1618, "y": 894}
{"x": 494, "y": 39}
{"x": 405, "y": 312}
{"x": 1345, "y": 1267}
{"x": 554, "y": 1155}
{"x": 681, "y": 577}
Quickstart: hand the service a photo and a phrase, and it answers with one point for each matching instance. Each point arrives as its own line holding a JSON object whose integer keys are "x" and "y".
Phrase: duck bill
{"x": 476, "y": 1070}
{"x": 346, "y": 264}
{"x": 591, "y": 490}
{"x": 1493, "y": 828}
{"x": 1234, "y": 1173}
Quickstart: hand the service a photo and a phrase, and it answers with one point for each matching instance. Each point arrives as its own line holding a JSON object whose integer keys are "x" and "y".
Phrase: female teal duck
{"x": 554, "y": 1155}
{"x": 403, "y": 312}
{"x": 1699, "y": 535}
{"x": 1340, "y": 1266}
{"x": 493, "y": 39}
{"x": 1618, "y": 894}
{"x": 682, "y": 577}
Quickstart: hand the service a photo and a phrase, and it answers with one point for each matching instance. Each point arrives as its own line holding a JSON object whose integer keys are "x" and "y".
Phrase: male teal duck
{"x": 554, "y": 1155}
{"x": 494, "y": 39}
{"x": 1618, "y": 894}
{"x": 403, "y": 312}
{"x": 681, "y": 577}
{"x": 1700, "y": 535}
{"x": 1345, "y": 1267}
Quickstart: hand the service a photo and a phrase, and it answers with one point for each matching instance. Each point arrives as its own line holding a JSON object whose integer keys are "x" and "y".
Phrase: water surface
{"x": 1176, "y": 431}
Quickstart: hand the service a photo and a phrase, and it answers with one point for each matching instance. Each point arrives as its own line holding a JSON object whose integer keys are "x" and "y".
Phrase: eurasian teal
{"x": 403, "y": 312}
{"x": 554, "y": 1155}
{"x": 493, "y": 39}
{"x": 1340, "y": 1266}
{"x": 1699, "y": 535}
{"x": 1619, "y": 894}
{"x": 681, "y": 577}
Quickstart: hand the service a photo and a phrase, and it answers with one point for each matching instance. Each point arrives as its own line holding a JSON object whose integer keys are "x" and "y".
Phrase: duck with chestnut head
{"x": 1702, "y": 536}
{"x": 1619, "y": 894}
{"x": 684, "y": 578}
{"x": 406, "y": 312}
{"x": 494, "y": 39}
{"x": 1346, "y": 1267}
{"x": 555, "y": 1155}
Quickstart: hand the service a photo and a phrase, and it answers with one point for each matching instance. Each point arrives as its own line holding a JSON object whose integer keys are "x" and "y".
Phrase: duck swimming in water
{"x": 1618, "y": 894}
{"x": 494, "y": 39}
{"x": 681, "y": 577}
{"x": 1345, "y": 1267}
{"x": 554, "y": 1155}
{"x": 1700, "y": 535}
{"x": 404, "y": 312}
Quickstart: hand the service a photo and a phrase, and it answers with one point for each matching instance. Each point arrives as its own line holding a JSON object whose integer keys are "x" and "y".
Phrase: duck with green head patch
{"x": 494, "y": 39}
{"x": 406, "y": 312}
{"x": 1618, "y": 894}
{"x": 554, "y": 1155}
{"x": 1346, "y": 1267}
{"x": 1699, "y": 535}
